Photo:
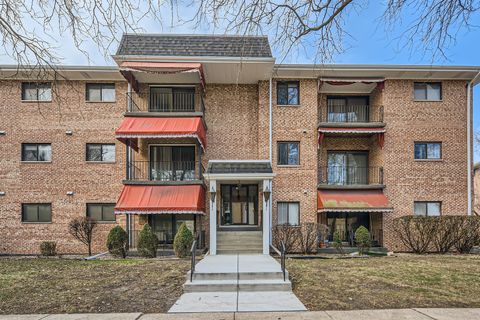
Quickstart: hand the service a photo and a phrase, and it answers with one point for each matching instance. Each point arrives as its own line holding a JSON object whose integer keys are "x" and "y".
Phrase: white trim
{"x": 470, "y": 86}
{"x": 270, "y": 97}
{"x": 158, "y": 212}
{"x": 346, "y": 79}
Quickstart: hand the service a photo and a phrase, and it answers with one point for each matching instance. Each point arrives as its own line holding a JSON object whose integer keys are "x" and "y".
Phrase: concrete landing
{"x": 237, "y": 283}
{"x": 237, "y": 302}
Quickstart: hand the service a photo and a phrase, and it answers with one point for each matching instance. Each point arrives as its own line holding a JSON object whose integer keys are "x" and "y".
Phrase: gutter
{"x": 470, "y": 86}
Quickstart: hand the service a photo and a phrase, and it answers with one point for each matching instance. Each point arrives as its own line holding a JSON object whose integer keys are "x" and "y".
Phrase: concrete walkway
{"x": 236, "y": 283}
{"x": 389, "y": 314}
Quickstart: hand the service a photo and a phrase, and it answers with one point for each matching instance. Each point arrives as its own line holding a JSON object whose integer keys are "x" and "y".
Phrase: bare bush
{"x": 308, "y": 237}
{"x": 416, "y": 233}
{"x": 446, "y": 234}
{"x": 289, "y": 235}
{"x": 468, "y": 234}
{"x": 82, "y": 230}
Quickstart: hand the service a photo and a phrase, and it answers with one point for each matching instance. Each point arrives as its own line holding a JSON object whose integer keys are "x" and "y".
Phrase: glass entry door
{"x": 239, "y": 205}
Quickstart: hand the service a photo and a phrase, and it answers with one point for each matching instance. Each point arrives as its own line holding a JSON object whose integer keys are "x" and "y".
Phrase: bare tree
{"x": 432, "y": 25}
{"x": 82, "y": 230}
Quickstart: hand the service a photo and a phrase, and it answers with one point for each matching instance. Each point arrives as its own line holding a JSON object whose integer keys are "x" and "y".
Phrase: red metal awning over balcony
{"x": 146, "y": 199}
{"x": 352, "y": 201}
{"x": 151, "y": 127}
{"x": 379, "y": 131}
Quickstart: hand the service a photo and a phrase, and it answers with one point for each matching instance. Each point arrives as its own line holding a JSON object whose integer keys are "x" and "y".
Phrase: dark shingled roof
{"x": 195, "y": 45}
{"x": 239, "y": 167}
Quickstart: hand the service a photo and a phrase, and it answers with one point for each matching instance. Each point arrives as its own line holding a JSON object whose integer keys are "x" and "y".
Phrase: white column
{"x": 213, "y": 219}
{"x": 266, "y": 218}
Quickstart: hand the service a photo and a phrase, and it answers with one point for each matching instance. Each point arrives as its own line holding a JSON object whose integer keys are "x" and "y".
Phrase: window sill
{"x": 28, "y": 162}
{"x": 86, "y": 101}
{"x": 36, "y": 101}
{"x": 289, "y": 105}
{"x": 428, "y": 160}
{"x": 101, "y": 162}
{"x": 33, "y": 222}
{"x": 427, "y": 100}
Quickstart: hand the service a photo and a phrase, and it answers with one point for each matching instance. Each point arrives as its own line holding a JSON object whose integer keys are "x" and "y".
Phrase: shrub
{"x": 147, "y": 242}
{"x": 289, "y": 235}
{"x": 468, "y": 234}
{"x": 82, "y": 230}
{"x": 416, "y": 233}
{"x": 446, "y": 235}
{"x": 308, "y": 237}
{"x": 182, "y": 242}
{"x": 362, "y": 239}
{"x": 48, "y": 248}
{"x": 337, "y": 242}
{"x": 117, "y": 242}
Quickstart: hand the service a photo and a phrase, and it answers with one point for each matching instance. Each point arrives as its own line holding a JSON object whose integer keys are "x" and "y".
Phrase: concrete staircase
{"x": 239, "y": 242}
{"x": 263, "y": 279}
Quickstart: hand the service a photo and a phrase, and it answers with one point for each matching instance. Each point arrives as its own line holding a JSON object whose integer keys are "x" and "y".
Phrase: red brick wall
{"x": 68, "y": 171}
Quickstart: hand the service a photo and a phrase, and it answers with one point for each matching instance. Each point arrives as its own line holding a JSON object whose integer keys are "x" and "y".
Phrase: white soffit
{"x": 357, "y": 87}
{"x": 385, "y": 71}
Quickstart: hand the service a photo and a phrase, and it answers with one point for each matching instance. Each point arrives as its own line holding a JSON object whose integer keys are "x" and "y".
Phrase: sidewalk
{"x": 389, "y": 314}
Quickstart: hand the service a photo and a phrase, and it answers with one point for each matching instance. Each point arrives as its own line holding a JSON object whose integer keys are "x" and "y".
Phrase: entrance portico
{"x": 240, "y": 193}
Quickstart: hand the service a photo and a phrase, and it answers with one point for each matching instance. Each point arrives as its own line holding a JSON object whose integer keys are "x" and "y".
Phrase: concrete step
{"x": 229, "y": 246}
{"x": 234, "y": 285}
{"x": 239, "y": 251}
{"x": 239, "y": 276}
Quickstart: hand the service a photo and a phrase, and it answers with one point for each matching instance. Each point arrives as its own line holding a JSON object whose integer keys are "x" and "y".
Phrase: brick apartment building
{"x": 208, "y": 130}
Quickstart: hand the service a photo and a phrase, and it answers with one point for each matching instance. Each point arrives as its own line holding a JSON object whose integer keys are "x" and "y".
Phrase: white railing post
{"x": 213, "y": 218}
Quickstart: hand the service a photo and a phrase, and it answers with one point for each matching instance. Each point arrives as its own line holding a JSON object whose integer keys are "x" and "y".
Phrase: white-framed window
{"x": 36, "y": 212}
{"x": 427, "y": 208}
{"x": 288, "y": 93}
{"x": 41, "y": 152}
{"x": 288, "y": 153}
{"x": 101, "y": 212}
{"x": 427, "y": 91}
{"x": 36, "y": 91}
{"x": 428, "y": 150}
{"x": 288, "y": 213}
{"x": 100, "y": 92}
{"x": 101, "y": 152}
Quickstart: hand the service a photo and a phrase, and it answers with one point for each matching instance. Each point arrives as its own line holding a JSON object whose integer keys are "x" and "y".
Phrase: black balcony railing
{"x": 183, "y": 101}
{"x": 350, "y": 175}
{"x": 352, "y": 114}
{"x": 164, "y": 170}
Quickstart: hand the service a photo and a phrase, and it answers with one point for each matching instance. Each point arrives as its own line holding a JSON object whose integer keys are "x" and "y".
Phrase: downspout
{"x": 470, "y": 86}
{"x": 270, "y": 120}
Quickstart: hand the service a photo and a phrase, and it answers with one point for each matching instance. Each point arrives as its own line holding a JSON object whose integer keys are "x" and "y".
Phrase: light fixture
{"x": 266, "y": 194}
{"x": 2, "y": 193}
{"x": 69, "y": 132}
{"x": 70, "y": 193}
{"x": 2, "y": 133}
{"x": 213, "y": 193}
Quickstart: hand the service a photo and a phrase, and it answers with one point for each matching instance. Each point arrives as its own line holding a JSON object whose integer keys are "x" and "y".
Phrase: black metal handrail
{"x": 351, "y": 114}
{"x": 193, "y": 251}
{"x": 183, "y": 101}
{"x": 350, "y": 175}
{"x": 282, "y": 259}
{"x": 143, "y": 170}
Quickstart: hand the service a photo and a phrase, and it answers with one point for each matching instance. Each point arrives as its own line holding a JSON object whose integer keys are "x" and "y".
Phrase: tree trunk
{"x": 89, "y": 249}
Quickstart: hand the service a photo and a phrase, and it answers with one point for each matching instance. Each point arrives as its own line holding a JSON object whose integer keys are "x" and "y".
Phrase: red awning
{"x": 164, "y": 68}
{"x": 352, "y": 200}
{"x": 146, "y": 127}
{"x": 145, "y": 199}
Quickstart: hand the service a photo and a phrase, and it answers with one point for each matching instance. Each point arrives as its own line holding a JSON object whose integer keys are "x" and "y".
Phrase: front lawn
{"x": 67, "y": 286}
{"x": 403, "y": 281}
